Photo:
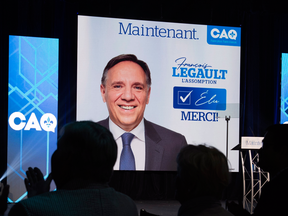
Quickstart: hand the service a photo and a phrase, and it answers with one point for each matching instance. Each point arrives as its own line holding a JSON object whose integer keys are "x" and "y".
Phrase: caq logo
{"x": 220, "y": 35}
{"x": 17, "y": 121}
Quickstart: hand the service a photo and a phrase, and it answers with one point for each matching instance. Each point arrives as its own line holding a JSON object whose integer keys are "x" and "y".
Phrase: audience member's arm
{"x": 18, "y": 210}
{"x": 237, "y": 210}
{"x": 35, "y": 183}
{"x": 3, "y": 198}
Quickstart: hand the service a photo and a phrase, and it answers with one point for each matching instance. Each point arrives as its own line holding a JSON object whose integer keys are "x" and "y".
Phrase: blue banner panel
{"x": 284, "y": 89}
{"x": 199, "y": 98}
{"x": 32, "y": 108}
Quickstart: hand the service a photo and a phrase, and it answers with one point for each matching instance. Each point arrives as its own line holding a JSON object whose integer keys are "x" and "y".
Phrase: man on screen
{"x": 125, "y": 88}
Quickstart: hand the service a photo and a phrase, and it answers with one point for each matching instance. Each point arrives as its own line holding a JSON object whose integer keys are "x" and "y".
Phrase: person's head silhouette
{"x": 86, "y": 151}
{"x": 273, "y": 156}
{"x": 202, "y": 172}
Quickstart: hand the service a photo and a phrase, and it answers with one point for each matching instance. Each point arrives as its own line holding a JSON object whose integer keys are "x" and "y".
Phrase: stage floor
{"x": 159, "y": 207}
{"x": 162, "y": 207}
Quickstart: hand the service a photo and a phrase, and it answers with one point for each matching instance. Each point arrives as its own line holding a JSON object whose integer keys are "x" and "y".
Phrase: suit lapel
{"x": 104, "y": 123}
{"x": 154, "y": 151}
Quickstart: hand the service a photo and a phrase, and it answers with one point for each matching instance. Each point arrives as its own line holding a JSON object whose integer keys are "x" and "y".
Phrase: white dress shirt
{"x": 137, "y": 144}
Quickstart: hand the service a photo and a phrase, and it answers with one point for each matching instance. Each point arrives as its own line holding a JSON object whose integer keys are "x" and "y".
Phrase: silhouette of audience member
{"x": 202, "y": 175}
{"x": 273, "y": 158}
{"x": 81, "y": 168}
{"x": 4, "y": 191}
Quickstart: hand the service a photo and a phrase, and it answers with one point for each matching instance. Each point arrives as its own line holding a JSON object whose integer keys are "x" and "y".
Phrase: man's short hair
{"x": 276, "y": 135}
{"x": 126, "y": 57}
{"x": 85, "y": 150}
{"x": 203, "y": 168}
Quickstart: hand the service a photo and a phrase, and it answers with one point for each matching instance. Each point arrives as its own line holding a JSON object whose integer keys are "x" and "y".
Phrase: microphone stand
{"x": 227, "y": 118}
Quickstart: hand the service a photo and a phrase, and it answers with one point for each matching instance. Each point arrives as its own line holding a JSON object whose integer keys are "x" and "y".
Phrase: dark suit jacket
{"x": 90, "y": 200}
{"x": 274, "y": 199}
{"x": 162, "y": 146}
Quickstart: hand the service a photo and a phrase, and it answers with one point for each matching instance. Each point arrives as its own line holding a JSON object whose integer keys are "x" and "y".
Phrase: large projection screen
{"x": 195, "y": 72}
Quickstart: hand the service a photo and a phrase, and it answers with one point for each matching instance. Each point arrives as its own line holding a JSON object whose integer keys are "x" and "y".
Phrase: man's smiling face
{"x": 126, "y": 93}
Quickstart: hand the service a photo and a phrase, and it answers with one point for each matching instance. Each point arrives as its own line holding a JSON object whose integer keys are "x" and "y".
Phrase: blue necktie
{"x": 127, "y": 160}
